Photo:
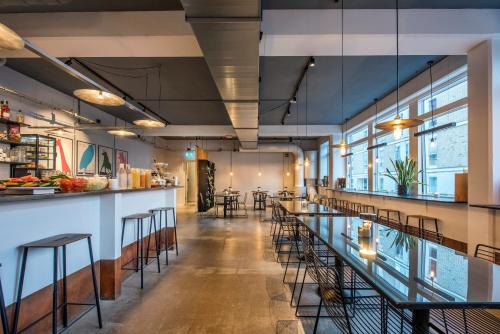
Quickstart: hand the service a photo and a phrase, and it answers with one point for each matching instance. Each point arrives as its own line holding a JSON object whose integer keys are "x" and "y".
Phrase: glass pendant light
{"x": 149, "y": 123}
{"x": 342, "y": 144}
{"x": 99, "y": 97}
{"x": 398, "y": 124}
{"x": 9, "y": 39}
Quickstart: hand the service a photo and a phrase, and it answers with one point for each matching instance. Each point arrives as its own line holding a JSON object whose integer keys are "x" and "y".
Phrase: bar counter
{"x": 27, "y": 218}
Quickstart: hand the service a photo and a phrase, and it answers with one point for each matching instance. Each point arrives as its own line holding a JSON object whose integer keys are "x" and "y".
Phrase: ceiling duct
{"x": 228, "y": 33}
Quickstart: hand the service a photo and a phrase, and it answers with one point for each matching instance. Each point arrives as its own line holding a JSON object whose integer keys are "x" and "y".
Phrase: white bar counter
{"x": 29, "y": 218}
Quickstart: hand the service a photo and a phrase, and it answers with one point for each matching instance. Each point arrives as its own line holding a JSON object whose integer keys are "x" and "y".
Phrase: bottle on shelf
{"x": 20, "y": 116}
{"x": 129, "y": 177}
{"x": 143, "y": 178}
{"x": 122, "y": 177}
{"x": 6, "y": 110}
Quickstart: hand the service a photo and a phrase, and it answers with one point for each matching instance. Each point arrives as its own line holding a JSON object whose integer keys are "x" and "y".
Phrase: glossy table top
{"x": 297, "y": 208}
{"x": 411, "y": 272}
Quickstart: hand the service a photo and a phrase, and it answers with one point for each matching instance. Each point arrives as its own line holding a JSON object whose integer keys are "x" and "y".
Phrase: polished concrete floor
{"x": 225, "y": 280}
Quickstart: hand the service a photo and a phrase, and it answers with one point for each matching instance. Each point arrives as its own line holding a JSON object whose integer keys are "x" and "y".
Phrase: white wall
{"x": 140, "y": 153}
{"x": 246, "y": 168}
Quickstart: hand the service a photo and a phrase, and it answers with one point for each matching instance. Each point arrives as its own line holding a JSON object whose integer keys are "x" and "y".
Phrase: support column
{"x": 483, "y": 63}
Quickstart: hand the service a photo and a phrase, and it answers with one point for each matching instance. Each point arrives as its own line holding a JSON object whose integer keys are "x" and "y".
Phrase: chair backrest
{"x": 331, "y": 293}
{"x": 488, "y": 253}
{"x": 245, "y": 197}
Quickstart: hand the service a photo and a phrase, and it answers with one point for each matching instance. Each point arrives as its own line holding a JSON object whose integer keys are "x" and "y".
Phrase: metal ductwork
{"x": 293, "y": 149}
{"x": 228, "y": 32}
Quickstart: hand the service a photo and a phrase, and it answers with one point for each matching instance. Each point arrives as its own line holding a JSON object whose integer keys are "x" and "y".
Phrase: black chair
{"x": 470, "y": 320}
{"x": 164, "y": 211}
{"x": 371, "y": 315}
{"x": 3, "y": 312}
{"x": 139, "y": 259}
{"x": 259, "y": 198}
{"x": 56, "y": 242}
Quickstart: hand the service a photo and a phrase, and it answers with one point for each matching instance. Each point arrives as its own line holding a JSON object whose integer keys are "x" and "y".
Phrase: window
{"x": 440, "y": 162}
{"x": 394, "y": 150}
{"x": 358, "y": 135}
{"x": 451, "y": 94}
{"x": 324, "y": 156}
{"x": 357, "y": 167}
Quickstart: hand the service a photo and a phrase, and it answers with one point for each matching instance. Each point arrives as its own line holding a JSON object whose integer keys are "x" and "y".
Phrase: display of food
{"x": 31, "y": 181}
{"x": 96, "y": 183}
{"x": 75, "y": 185}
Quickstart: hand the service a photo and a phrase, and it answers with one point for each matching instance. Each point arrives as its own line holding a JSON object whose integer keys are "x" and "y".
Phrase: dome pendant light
{"x": 9, "y": 39}
{"x": 342, "y": 144}
{"x": 99, "y": 97}
{"x": 149, "y": 123}
{"x": 398, "y": 124}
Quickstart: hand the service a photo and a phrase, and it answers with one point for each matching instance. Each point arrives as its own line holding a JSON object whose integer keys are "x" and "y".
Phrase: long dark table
{"x": 296, "y": 208}
{"x": 412, "y": 273}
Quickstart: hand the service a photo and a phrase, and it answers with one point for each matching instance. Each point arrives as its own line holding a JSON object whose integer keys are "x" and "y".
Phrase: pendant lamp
{"x": 99, "y": 97}
{"x": 342, "y": 144}
{"x": 398, "y": 124}
{"x": 149, "y": 123}
{"x": 9, "y": 39}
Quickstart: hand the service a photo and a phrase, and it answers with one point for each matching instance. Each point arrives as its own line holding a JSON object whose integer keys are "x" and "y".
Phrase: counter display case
{"x": 40, "y": 152}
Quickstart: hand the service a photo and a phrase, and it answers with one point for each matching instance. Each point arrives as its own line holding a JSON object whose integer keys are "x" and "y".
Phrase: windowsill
{"x": 424, "y": 198}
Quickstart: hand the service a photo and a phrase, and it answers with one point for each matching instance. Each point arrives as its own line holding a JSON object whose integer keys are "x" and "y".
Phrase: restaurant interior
{"x": 246, "y": 166}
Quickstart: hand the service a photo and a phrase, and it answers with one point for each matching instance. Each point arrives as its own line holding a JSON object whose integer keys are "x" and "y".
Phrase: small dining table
{"x": 303, "y": 208}
{"x": 410, "y": 272}
{"x": 229, "y": 199}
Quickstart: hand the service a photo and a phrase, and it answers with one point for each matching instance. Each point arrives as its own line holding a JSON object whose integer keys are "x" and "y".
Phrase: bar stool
{"x": 422, "y": 231}
{"x": 56, "y": 242}
{"x": 3, "y": 312}
{"x": 388, "y": 220}
{"x": 332, "y": 202}
{"x": 368, "y": 216}
{"x": 364, "y": 208}
{"x": 165, "y": 210}
{"x": 139, "y": 218}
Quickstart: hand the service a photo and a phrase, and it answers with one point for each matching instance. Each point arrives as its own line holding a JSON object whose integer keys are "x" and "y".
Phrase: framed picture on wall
{"x": 121, "y": 157}
{"x": 104, "y": 160}
{"x": 85, "y": 158}
{"x": 64, "y": 155}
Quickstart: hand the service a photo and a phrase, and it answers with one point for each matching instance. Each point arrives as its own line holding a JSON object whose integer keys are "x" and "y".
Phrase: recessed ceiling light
{"x": 149, "y": 123}
{"x": 121, "y": 133}
{"x": 99, "y": 97}
{"x": 9, "y": 39}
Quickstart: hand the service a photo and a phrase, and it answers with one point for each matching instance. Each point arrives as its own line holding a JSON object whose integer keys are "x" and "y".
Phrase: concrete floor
{"x": 225, "y": 280}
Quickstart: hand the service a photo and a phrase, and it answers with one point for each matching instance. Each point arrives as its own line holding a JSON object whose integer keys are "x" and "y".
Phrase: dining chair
{"x": 372, "y": 314}
{"x": 469, "y": 320}
{"x": 243, "y": 203}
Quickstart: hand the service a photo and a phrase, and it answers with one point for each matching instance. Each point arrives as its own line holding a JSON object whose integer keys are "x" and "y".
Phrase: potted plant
{"x": 404, "y": 174}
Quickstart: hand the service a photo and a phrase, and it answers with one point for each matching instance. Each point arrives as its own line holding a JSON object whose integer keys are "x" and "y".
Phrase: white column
{"x": 484, "y": 139}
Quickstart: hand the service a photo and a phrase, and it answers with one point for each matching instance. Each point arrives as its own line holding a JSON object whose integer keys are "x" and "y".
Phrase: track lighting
{"x": 312, "y": 62}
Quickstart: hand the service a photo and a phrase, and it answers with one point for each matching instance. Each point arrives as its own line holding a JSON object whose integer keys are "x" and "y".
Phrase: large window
{"x": 455, "y": 92}
{"x": 357, "y": 167}
{"x": 382, "y": 157}
{"x": 441, "y": 160}
{"x": 324, "y": 157}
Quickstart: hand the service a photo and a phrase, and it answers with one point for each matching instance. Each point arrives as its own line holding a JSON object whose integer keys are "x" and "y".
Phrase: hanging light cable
{"x": 433, "y": 139}
{"x": 398, "y": 124}
{"x": 306, "y": 161}
{"x": 376, "y": 119}
{"x": 342, "y": 144}
{"x": 259, "y": 172}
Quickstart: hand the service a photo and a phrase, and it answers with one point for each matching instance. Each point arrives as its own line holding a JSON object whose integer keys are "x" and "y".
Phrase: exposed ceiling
{"x": 379, "y": 4}
{"x": 183, "y": 81}
{"x": 365, "y": 78}
{"x": 43, "y": 6}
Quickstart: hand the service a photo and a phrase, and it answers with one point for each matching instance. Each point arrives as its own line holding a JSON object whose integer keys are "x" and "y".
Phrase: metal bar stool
{"x": 422, "y": 232}
{"x": 56, "y": 242}
{"x": 139, "y": 218}
{"x": 161, "y": 211}
{"x": 3, "y": 312}
{"x": 388, "y": 220}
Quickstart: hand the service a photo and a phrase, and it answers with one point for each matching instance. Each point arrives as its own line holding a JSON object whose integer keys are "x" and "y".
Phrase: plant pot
{"x": 402, "y": 190}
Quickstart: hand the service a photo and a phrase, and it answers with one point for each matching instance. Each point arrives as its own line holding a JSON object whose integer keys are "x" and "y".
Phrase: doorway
{"x": 191, "y": 183}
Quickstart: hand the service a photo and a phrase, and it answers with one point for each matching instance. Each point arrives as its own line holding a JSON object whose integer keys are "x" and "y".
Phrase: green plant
{"x": 402, "y": 239}
{"x": 404, "y": 172}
